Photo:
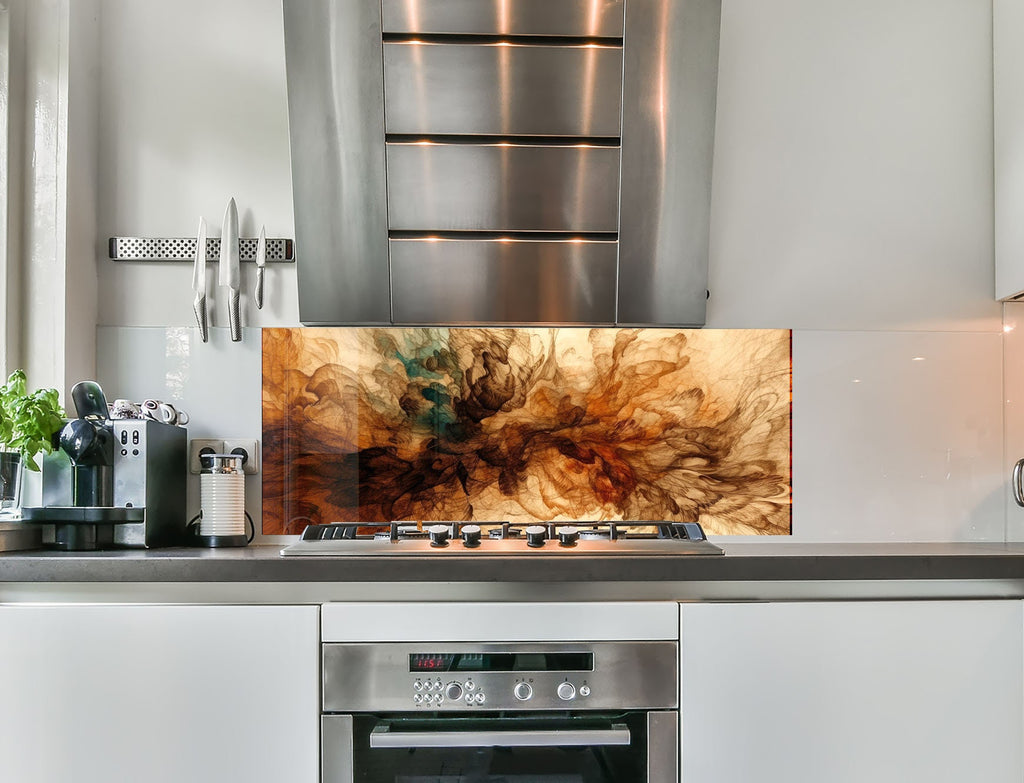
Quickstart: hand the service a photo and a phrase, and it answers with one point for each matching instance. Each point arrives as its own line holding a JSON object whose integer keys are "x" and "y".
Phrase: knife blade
{"x": 229, "y": 274}
{"x": 261, "y": 262}
{"x": 199, "y": 282}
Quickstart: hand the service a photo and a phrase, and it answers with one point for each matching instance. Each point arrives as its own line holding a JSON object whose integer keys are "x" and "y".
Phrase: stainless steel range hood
{"x": 502, "y": 161}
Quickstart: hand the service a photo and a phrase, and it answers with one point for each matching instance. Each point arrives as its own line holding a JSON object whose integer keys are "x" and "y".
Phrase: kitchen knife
{"x": 229, "y": 275}
{"x": 199, "y": 281}
{"x": 261, "y": 262}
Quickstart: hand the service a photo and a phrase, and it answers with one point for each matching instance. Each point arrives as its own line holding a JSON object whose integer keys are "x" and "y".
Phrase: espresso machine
{"x": 112, "y": 482}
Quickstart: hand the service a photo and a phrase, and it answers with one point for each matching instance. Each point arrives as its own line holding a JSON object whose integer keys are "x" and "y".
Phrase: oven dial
{"x": 479, "y": 698}
{"x": 453, "y": 692}
{"x": 522, "y": 691}
{"x": 566, "y": 691}
{"x": 417, "y": 686}
{"x": 470, "y": 685}
{"x": 584, "y": 690}
{"x": 417, "y": 699}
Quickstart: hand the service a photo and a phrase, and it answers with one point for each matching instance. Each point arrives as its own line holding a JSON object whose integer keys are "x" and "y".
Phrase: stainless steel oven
{"x": 517, "y": 712}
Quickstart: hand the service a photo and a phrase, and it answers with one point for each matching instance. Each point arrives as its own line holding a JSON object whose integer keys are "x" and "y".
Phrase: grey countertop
{"x": 742, "y": 562}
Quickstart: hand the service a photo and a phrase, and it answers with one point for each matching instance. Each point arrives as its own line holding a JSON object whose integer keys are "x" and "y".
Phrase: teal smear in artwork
{"x": 426, "y": 356}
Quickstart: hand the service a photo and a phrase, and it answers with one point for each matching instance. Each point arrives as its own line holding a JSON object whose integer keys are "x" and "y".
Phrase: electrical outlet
{"x": 199, "y": 446}
{"x": 250, "y": 449}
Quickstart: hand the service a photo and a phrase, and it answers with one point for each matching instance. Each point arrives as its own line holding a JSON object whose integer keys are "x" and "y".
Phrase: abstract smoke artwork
{"x": 527, "y": 424}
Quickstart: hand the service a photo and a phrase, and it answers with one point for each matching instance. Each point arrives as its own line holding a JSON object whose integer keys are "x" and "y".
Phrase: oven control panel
{"x": 512, "y": 676}
{"x": 535, "y": 691}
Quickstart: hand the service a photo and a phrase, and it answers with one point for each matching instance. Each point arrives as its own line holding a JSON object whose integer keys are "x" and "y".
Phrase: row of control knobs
{"x": 536, "y": 535}
{"x": 455, "y": 691}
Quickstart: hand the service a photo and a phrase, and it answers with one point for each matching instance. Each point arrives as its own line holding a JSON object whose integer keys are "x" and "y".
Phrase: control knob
{"x": 453, "y": 692}
{"x": 536, "y": 535}
{"x": 438, "y": 535}
{"x": 566, "y": 691}
{"x": 522, "y": 691}
{"x": 568, "y": 535}
{"x": 471, "y": 535}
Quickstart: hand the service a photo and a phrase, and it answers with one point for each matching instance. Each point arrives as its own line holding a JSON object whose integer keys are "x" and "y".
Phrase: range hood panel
{"x": 438, "y": 88}
{"x": 502, "y": 188}
{"x": 593, "y": 18}
{"x": 496, "y": 281}
{"x": 580, "y": 130}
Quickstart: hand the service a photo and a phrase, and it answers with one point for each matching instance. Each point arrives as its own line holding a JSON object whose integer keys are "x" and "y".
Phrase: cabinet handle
{"x": 1018, "y": 486}
{"x": 382, "y": 737}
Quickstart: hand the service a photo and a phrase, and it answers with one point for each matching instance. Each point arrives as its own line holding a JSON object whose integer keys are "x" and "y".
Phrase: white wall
{"x": 852, "y": 203}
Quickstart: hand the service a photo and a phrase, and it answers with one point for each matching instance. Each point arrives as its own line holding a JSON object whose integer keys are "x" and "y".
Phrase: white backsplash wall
{"x": 852, "y": 202}
{"x": 1013, "y": 390}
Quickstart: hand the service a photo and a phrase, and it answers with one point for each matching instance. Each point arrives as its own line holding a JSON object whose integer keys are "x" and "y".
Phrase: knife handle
{"x": 234, "y": 317}
{"x": 258, "y": 294}
{"x": 199, "y": 306}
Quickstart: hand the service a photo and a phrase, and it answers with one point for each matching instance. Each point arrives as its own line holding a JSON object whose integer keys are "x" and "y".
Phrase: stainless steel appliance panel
{"x": 503, "y": 281}
{"x": 662, "y": 746}
{"x": 671, "y": 66}
{"x": 502, "y": 187}
{"x": 502, "y": 89}
{"x": 336, "y": 743}
{"x": 376, "y": 678}
{"x": 336, "y": 123}
{"x": 596, "y": 18}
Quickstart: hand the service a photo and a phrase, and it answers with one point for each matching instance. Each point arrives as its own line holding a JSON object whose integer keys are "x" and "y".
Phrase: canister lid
{"x": 220, "y": 463}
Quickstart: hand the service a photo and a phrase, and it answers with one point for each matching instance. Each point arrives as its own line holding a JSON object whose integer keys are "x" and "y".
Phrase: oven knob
{"x": 566, "y": 691}
{"x": 417, "y": 699}
{"x": 470, "y": 685}
{"x": 479, "y": 698}
{"x": 522, "y": 691}
{"x": 471, "y": 535}
{"x": 417, "y": 686}
{"x": 438, "y": 535}
{"x": 535, "y": 535}
{"x": 568, "y": 535}
{"x": 584, "y": 690}
{"x": 453, "y": 692}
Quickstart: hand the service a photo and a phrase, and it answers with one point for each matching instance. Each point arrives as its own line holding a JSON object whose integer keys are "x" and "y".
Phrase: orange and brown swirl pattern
{"x": 380, "y": 424}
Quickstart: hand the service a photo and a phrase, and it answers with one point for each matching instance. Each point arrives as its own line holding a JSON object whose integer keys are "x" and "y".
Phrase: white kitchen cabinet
{"x": 850, "y": 692}
{"x": 161, "y": 694}
{"x": 1008, "y": 131}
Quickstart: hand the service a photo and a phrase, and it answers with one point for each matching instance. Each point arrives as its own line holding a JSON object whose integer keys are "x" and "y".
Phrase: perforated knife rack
{"x": 279, "y": 251}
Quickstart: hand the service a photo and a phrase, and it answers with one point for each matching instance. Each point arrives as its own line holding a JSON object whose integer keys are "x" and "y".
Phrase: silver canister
{"x": 222, "y": 499}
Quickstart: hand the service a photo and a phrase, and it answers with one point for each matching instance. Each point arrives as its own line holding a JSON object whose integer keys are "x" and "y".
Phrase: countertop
{"x": 747, "y": 571}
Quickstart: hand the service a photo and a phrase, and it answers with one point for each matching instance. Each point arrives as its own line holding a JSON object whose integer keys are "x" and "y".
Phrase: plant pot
{"x": 11, "y": 469}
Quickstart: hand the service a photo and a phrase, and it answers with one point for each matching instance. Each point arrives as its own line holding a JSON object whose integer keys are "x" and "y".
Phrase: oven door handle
{"x": 383, "y": 737}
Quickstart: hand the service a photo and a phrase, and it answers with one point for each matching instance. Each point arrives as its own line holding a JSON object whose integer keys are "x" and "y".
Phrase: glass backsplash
{"x": 527, "y": 424}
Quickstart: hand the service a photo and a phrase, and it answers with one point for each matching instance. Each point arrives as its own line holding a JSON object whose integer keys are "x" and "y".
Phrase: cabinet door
{"x": 162, "y": 694}
{"x": 1008, "y": 128}
{"x": 852, "y": 692}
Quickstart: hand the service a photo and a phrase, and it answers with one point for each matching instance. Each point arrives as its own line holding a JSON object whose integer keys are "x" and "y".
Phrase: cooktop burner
{"x": 502, "y": 538}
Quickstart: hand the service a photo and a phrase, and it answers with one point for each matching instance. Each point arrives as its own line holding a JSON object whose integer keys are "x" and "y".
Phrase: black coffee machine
{"x": 114, "y": 482}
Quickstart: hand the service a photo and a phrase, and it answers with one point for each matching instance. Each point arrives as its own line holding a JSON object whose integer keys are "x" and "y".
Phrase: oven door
{"x": 630, "y": 747}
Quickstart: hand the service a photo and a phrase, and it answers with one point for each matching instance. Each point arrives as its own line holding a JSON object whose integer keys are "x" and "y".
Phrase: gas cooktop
{"x": 502, "y": 538}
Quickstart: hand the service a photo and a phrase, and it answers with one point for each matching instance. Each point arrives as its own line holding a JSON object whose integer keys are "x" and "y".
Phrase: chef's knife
{"x": 199, "y": 281}
{"x": 229, "y": 275}
{"x": 261, "y": 262}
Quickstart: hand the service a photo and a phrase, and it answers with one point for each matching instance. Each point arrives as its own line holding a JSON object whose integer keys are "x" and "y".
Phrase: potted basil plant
{"x": 28, "y": 423}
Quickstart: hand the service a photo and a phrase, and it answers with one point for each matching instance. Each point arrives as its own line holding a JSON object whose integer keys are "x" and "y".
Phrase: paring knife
{"x": 261, "y": 262}
{"x": 229, "y": 274}
{"x": 199, "y": 281}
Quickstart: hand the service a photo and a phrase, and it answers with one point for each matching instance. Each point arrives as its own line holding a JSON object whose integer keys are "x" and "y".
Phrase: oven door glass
{"x": 500, "y": 749}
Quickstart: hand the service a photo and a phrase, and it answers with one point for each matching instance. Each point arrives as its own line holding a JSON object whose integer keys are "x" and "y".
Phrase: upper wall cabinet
{"x": 1008, "y": 103}
{"x": 487, "y": 161}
